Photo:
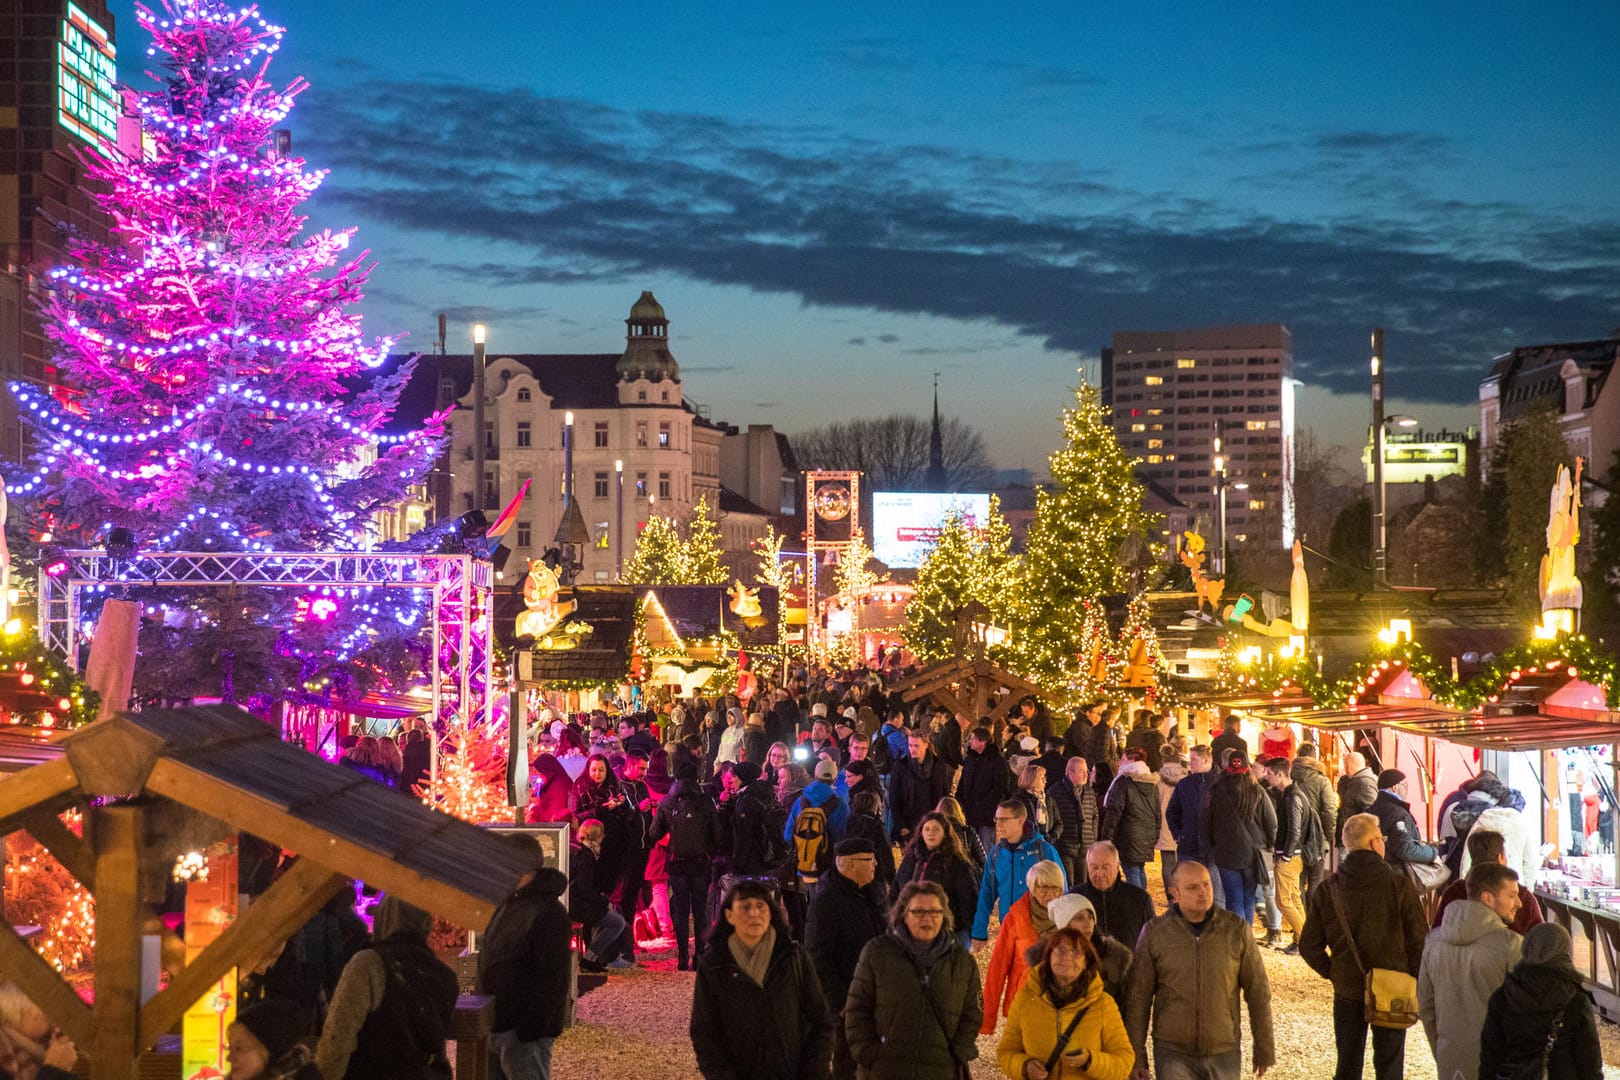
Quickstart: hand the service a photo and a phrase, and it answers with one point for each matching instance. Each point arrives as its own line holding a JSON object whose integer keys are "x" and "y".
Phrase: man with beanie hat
{"x": 753, "y": 849}
{"x": 264, "y": 1043}
{"x": 523, "y": 963}
{"x": 1402, "y": 842}
{"x": 393, "y": 1006}
{"x": 846, "y": 912}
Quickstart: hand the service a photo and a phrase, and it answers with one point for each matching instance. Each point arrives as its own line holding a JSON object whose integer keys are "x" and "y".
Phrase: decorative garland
{"x": 37, "y": 669}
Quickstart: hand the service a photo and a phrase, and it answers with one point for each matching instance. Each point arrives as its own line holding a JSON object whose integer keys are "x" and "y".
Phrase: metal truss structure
{"x": 462, "y": 607}
{"x": 832, "y": 500}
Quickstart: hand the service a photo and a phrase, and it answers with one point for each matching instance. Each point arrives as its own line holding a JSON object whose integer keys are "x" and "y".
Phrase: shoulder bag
{"x": 1063, "y": 1040}
{"x": 1391, "y": 996}
{"x": 1428, "y": 876}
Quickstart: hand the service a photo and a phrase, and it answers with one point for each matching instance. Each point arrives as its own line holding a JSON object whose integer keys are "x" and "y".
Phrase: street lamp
{"x": 478, "y": 333}
{"x": 618, "y": 521}
{"x": 1218, "y": 467}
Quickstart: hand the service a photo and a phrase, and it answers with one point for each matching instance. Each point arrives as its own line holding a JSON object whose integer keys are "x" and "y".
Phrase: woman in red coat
{"x": 1026, "y": 921}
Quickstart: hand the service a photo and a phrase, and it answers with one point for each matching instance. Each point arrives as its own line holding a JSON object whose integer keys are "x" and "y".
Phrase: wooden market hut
{"x": 969, "y": 683}
{"x": 155, "y": 784}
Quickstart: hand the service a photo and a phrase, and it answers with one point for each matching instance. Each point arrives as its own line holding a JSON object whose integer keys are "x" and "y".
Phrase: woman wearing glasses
{"x": 1062, "y": 1025}
{"x": 913, "y": 1009}
{"x": 1026, "y": 922}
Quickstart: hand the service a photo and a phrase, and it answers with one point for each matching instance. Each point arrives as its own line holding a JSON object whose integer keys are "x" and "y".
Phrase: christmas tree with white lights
{"x": 215, "y": 370}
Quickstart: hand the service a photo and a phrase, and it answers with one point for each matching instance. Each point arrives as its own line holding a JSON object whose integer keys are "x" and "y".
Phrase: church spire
{"x": 936, "y": 479}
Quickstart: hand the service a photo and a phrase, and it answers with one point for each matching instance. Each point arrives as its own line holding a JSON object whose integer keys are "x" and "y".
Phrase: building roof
{"x": 1532, "y": 375}
{"x": 733, "y": 503}
{"x": 603, "y": 655}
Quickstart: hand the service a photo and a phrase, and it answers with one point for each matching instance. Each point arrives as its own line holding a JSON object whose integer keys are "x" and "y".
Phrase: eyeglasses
{"x": 1002, "y": 817}
{"x": 926, "y": 913}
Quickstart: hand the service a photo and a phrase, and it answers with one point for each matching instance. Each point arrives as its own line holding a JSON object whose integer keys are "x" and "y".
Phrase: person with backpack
{"x": 757, "y": 850}
{"x": 1540, "y": 1021}
{"x": 391, "y": 1012}
{"x": 935, "y": 854}
{"x": 814, "y": 825}
{"x": 688, "y": 818}
{"x": 1298, "y": 835}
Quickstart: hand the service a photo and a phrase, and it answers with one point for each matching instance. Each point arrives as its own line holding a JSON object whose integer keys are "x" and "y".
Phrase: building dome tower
{"x": 646, "y": 350}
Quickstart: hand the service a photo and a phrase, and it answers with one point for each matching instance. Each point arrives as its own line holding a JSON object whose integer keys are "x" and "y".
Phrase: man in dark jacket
{"x": 1076, "y": 802}
{"x": 1078, "y": 737}
{"x": 945, "y": 735}
{"x": 1184, "y": 813}
{"x": 1102, "y": 753}
{"x": 689, "y": 818}
{"x": 846, "y": 912}
{"x": 916, "y": 785}
{"x": 1313, "y": 783}
{"x": 523, "y": 964}
{"x": 1358, "y": 788}
{"x": 984, "y": 782}
{"x": 1383, "y": 917}
{"x": 1228, "y": 740}
{"x": 1122, "y": 908}
{"x": 1402, "y": 842}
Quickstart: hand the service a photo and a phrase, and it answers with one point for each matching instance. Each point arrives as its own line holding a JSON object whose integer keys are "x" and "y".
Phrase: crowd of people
{"x": 828, "y": 858}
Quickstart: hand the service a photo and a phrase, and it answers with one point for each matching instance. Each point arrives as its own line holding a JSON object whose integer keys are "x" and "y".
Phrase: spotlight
{"x": 471, "y": 525}
{"x": 54, "y": 564}
{"x": 120, "y": 543}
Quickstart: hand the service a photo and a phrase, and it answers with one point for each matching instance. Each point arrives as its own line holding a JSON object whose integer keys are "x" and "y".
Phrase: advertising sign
{"x": 905, "y": 524}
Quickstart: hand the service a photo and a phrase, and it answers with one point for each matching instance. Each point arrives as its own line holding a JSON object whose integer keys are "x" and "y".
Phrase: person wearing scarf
{"x": 914, "y": 1005}
{"x": 1026, "y": 922}
{"x": 757, "y": 1006}
{"x": 1542, "y": 993}
{"x": 1064, "y": 985}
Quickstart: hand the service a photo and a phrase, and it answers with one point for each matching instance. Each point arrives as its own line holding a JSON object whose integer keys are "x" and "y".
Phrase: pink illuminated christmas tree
{"x": 211, "y": 356}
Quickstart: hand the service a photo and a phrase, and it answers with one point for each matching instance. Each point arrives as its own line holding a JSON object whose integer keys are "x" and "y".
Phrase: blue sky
{"x": 834, "y": 202}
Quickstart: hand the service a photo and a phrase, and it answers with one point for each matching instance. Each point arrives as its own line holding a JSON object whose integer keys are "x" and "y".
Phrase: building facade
{"x": 639, "y": 448}
{"x": 58, "y": 94}
{"x": 1173, "y": 392}
{"x": 1571, "y": 379}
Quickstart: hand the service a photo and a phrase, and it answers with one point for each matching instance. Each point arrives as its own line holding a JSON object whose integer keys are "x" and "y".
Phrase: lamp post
{"x": 1380, "y": 508}
{"x": 478, "y": 332}
{"x": 1218, "y": 467}
{"x": 618, "y": 520}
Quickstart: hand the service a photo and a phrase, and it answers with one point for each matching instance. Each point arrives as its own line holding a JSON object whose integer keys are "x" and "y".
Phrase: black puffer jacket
{"x": 751, "y": 829}
{"x": 958, "y": 877}
{"x": 1080, "y": 814}
{"x": 688, "y": 817}
{"x": 984, "y": 782}
{"x": 1131, "y": 814}
{"x": 741, "y": 1030}
{"x": 892, "y": 1028}
{"x": 1520, "y": 1018}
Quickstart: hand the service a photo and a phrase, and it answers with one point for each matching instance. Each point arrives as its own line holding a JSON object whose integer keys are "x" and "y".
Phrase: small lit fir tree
{"x": 472, "y": 774}
{"x": 775, "y": 573}
{"x": 964, "y": 565}
{"x": 667, "y": 553}
{"x": 1098, "y": 658}
{"x": 1082, "y": 521}
{"x": 853, "y": 572}
{"x": 213, "y": 358}
{"x": 1137, "y": 631}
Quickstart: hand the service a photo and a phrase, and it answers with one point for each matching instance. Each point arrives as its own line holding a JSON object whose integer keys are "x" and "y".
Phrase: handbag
{"x": 1428, "y": 876}
{"x": 1391, "y": 999}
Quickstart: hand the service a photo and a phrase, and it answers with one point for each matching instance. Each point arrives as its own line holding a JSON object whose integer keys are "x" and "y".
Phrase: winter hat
{"x": 827, "y": 771}
{"x": 1546, "y": 943}
{"x": 855, "y": 845}
{"x": 1134, "y": 768}
{"x": 849, "y": 712}
{"x": 818, "y": 709}
{"x": 1064, "y": 909}
{"x": 1389, "y": 778}
{"x": 1237, "y": 762}
{"x": 276, "y": 1023}
{"x": 1029, "y": 743}
{"x": 746, "y": 772}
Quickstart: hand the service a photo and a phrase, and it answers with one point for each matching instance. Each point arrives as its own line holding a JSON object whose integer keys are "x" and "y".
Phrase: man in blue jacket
{"x": 1184, "y": 813}
{"x": 819, "y": 792}
{"x": 1018, "y": 847}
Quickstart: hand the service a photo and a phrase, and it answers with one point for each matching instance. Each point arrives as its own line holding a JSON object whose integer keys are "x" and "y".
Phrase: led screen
{"x": 905, "y": 524}
{"x": 87, "y": 69}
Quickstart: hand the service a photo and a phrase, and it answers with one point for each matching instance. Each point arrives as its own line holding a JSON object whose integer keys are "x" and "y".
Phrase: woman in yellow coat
{"x": 1064, "y": 984}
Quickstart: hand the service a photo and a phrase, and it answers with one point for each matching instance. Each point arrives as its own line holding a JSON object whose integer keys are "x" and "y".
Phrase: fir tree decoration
{"x": 1082, "y": 523}
{"x": 668, "y": 554}
{"x": 1098, "y": 658}
{"x": 1139, "y": 643}
{"x": 964, "y": 565}
{"x": 774, "y": 573}
{"x": 214, "y": 355}
{"x": 852, "y": 574}
{"x": 472, "y": 774}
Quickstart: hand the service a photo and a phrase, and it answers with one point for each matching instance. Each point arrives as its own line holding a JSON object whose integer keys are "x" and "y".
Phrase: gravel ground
{"x": 634, "y": 1028}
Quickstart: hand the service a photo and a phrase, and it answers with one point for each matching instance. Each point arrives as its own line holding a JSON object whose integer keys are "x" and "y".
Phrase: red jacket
{"x": 1007, "y": 968}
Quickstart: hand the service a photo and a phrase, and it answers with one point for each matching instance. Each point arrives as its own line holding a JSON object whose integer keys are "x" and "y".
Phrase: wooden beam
{"x": 115, "y": 833}
{"x": 67, "y": 848}
{"x": 249, "y": 813}
{"x": 271, "y": 919}
{"x": 36, "y": 785}
{"x": 44, "y": 986}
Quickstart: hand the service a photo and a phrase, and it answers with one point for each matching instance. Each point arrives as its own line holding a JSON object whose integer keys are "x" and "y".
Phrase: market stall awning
{"x": 1253, "y": 700}
{"x": 1521, "y": 731}
{"x": 1352, "y": 717}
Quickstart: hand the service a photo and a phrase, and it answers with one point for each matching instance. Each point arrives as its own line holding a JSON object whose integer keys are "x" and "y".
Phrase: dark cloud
{"x": 581, "y": 192}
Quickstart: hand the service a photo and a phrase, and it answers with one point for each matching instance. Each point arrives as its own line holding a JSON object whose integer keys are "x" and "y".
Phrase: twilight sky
{"x": 834, "y": 202}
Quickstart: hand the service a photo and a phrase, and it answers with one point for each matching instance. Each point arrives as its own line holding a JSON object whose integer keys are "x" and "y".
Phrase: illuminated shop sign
{"x": 87, "y": 68}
